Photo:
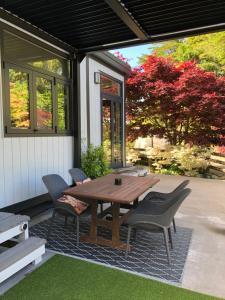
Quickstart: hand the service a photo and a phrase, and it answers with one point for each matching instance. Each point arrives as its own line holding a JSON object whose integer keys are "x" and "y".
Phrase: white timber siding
{"x": 24, "y": 160}
{"x": 94, "y": 101}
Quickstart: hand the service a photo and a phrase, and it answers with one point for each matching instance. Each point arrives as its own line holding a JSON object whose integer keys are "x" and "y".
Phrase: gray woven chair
{"x": 55, "y": 185}
{"x": 78, "y": 175}
{"x": 156, "y": 217}
{"x": 157, "y": 196}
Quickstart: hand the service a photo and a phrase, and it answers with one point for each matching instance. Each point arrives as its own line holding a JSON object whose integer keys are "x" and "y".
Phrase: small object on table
{"x": 118, "y": 181}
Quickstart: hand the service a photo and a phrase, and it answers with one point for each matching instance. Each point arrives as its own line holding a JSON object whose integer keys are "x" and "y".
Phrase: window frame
{"x": 34, "y": 72}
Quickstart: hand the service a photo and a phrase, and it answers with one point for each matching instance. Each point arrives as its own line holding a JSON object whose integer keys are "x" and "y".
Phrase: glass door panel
{"x": 106, "y": 129}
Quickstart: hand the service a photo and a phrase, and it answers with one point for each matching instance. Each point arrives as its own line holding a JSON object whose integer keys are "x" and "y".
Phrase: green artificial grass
{"x": 66, "y": 278}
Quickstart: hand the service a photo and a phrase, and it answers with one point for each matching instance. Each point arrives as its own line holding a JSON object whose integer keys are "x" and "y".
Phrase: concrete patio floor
{"x": 204, "y": 212}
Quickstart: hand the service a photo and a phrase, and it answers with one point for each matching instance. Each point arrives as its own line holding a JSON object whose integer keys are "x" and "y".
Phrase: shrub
{"x": 179, "y": 160}
{"x": 94, "y": 162}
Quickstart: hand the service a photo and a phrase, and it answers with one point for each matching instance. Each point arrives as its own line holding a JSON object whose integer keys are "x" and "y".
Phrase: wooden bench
{"x": 21, "y": 255}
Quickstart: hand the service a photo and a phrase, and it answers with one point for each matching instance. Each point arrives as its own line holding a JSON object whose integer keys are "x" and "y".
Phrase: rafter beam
{"x": 119, "y": 8}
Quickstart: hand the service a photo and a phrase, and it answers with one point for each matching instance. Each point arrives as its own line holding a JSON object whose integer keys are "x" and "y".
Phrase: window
{"x": 110, "y": 86}
{"x": 19, "y": 99}
{"x": 23, "y": 52}
{"x": 37, "y": 89}
{"x": 62, "y": 109}
{"x": 44, "y": 103}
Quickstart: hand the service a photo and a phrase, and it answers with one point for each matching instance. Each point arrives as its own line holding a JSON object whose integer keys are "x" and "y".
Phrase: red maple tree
{"x": 179, "y": 102}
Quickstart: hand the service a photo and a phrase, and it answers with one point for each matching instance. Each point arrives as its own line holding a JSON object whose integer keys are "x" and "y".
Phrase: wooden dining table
{"x": 105, "y": 189}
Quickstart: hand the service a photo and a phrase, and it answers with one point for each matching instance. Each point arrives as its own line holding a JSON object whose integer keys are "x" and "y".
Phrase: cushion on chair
{"x": 84, "y": 181}
{"x": 78, "y": 206}
{"x": 87, "y": 180}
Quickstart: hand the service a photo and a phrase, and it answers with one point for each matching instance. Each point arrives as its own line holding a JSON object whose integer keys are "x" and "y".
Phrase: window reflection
{"x": 24, "y": 52}
{"x": 117, "y": 134}
{"x": 44, "y": 103}
{"x": 110, "y": 86}
{"x": 62, "y": 95}
{"x": 106, "y": 129}
{"x": 19, "y": 99}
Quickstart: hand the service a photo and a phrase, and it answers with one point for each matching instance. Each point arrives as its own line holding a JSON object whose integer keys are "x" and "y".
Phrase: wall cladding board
{"x": 25, "y": 160}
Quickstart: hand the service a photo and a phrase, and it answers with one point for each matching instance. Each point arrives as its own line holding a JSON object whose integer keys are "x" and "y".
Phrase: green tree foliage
{"x": 207, "y": 50}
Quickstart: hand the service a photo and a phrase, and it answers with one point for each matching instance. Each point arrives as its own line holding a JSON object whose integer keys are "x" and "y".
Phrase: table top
{"x": 104, "y": 189}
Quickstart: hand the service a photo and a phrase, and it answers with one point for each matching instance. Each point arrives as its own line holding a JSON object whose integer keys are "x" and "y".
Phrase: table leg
{"x": 115, "y": 224}
{"x": 94, "y": 213}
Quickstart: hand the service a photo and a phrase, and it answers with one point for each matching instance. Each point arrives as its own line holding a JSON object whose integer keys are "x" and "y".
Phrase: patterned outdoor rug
{"x": 148, "y": 255}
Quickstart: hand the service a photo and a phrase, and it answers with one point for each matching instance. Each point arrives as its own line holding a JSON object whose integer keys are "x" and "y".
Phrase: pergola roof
{"x": 90, "y": 25}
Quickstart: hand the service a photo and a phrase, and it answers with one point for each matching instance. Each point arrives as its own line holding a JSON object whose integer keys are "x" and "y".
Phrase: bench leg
{"x": 25, "y": 234}
{"x": 37, "y": 260}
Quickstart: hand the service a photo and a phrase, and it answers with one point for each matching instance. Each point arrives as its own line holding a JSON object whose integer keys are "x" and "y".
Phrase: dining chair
{"x": 79, "y": 176}
{"x": 157, "y": 196}
{"x": 55, "y": 185}
{"x": 155, "y": 217}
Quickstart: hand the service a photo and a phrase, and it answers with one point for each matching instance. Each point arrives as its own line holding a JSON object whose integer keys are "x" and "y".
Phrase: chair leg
{"x": 78, "y": 230}
{"x": 174, "y": 226}
{"x": 66, "y": 220}
{"x": 135, "y": 234}
{"x": 170, "y": 238}
{"x": 101, "y": 205}
{"x": 166, "y": 238}
{"x": 50, "y": 225}
{"x": 128, "y": 240}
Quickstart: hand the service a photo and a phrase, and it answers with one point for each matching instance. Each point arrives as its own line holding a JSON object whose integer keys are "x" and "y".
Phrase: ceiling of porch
{"x": 91, "y": 25}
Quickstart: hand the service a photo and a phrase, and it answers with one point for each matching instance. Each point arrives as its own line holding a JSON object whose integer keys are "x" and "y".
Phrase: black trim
{"x": 127, "y": 18}
{"x": 27, "y": 204}
{"x": 76, "y": 111}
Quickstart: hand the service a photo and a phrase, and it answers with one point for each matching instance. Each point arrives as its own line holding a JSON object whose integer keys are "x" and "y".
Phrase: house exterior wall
{"x": 90, "y": 106}
{"x": 24, "y": 160}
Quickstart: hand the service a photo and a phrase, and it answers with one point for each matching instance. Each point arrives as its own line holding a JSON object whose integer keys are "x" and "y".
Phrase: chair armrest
{"x": 157, "y": 220}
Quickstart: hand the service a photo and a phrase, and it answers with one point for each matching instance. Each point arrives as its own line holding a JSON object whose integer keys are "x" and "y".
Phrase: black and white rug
{"x": 148, "y": 255}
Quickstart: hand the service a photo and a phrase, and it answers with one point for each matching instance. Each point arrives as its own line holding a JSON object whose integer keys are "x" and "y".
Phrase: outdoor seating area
{"x": 149, "y": 252}
{"x": 112, "y": 150}
{"x": 155, "y": 212}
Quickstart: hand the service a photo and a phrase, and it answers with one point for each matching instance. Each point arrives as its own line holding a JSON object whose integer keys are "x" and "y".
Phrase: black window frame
{"x": 34, "y": 72}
